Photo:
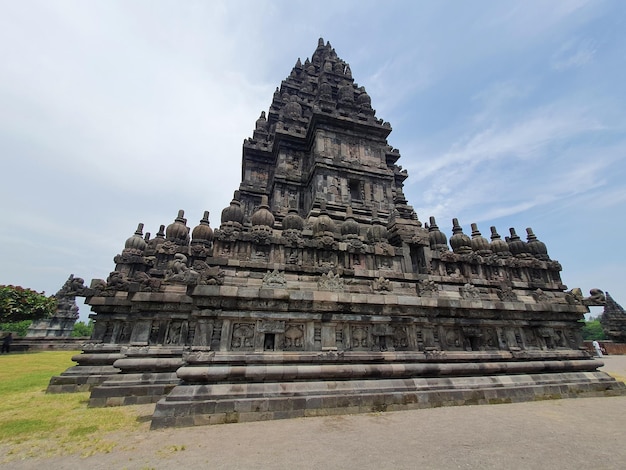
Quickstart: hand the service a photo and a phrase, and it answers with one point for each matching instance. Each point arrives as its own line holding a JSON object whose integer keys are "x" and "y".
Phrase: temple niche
{"x": 321, "y": 291}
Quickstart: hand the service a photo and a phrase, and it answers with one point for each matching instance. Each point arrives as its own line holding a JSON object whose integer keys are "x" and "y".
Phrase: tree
{"x": 82, "y": 329}
{"x": 18, "y": 304}
{"x": 593, "y": 331}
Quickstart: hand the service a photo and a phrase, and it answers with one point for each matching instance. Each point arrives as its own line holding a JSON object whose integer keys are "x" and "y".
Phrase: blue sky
{"x": 506, "y": 113}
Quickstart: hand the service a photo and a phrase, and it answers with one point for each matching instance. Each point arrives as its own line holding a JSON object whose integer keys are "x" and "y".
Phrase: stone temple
{"x": 321, "y": 292}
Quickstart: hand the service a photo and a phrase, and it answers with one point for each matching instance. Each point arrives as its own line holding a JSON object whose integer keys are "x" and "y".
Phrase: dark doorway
{"x": 268, "y": 344}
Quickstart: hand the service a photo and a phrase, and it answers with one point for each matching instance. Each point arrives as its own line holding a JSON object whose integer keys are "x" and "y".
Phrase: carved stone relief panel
{"x": 243, "y": 336}
{"x": 125, "y": 331}
{"x": 107, "y": 336}
{"x": 271, "y": 326}
{"x": 359, "y": 336}
{"x": 141, "y": 332}
{"x": 400, "y": 338}
{"x": 294, "y": 337}
{"x": 453, "y": 339}
{"x": 202, "y": 333}
{"x": 174, "y": 331}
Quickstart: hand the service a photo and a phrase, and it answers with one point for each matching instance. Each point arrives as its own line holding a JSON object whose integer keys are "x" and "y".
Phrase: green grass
{"x": 35, "y": 424}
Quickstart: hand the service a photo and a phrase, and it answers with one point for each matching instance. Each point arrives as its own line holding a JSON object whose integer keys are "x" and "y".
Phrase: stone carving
{"x": 294, "y": 337}
{"x": 541, "y": 296}
{"x": 274, "y": 279}
{"x": 360, "y": 336}
{"x": 506, "y": 294}
{"x": 293, "y": 238}
{"x": 382, "y": 285}
{"x": 146, "y": 282}
{"x": 269, "y": 326}
{"x": 243, "y": 335}
{"x": 427, "y": 288}
{"x": 596, "y": 297}
{"x": 208, "y": 275}
{"x": 117, "y": 281}
{"x": 400, "y": 338}
{"x": 330, "y": 281}
{"x": 178, "y": 271}
{"x": 468, "y": 291}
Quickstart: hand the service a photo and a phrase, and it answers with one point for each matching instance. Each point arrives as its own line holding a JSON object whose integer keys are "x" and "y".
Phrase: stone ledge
{"x": 189, "y": 405}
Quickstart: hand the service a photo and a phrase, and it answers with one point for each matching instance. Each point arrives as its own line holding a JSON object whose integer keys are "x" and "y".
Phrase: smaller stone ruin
{"x": 62, "y": 322}
{"x": 613, "y": 320}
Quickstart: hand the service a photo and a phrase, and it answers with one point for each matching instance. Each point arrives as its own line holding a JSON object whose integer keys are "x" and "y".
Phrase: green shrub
{"x": 19, "y": 328}
{"x": 82, "y": 329}
{"x": 593, "y": 331}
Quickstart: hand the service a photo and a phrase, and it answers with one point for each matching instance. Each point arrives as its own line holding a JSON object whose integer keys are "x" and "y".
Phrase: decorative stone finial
{"x": 178, "y": 231}
{"x": 459, "y": 242}
{"x": 499, "y": 246}
{"x": 536, "y": 247}
{"x": 263, "y": 216}
{"x": 136, "y": 241}
{"x": 202, "y": 233}
{"x": 516, "y": 245}
{"x": 479, "y": 243}
{"x": 438, "y": 240}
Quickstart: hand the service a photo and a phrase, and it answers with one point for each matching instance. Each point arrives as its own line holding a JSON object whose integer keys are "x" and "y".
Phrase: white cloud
{"x": 573, "y": 54}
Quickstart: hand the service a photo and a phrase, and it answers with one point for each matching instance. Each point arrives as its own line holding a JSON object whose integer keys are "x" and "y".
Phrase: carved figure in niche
{"x": 293, "y": 257}
{"x": 125, "y": 331}
{"x": 559, "y": 339}
{"x": 400, "y": 338}
{"x": 359, "y": 337}
{"x": 452, "y": 270}
{"x": 259, "y": 255}
{"x": 243, "y": 334}
{"x": 108, "y": 333}
{"x": 173, "y": 333}
{"x": 491, "y": 339}
{"x": 469, "y": 291}
{"x": 294, "y": 335}
{"x": 154, "y": 332}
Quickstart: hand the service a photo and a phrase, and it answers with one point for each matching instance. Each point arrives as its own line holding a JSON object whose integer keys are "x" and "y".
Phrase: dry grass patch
{"x": 618, "y": 377}
{"x": 33, "y": 424}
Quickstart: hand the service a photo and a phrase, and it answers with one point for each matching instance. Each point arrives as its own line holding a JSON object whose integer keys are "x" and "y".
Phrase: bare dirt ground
{"x": 558, "y": 434}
